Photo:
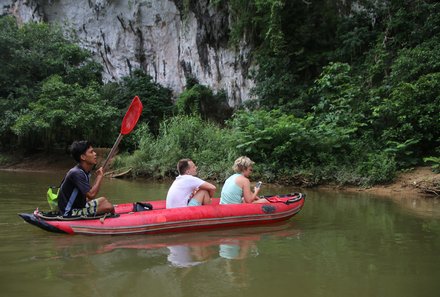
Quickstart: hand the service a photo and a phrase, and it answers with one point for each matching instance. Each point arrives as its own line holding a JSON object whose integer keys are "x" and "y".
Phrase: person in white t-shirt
{"x": 187, "y": 189}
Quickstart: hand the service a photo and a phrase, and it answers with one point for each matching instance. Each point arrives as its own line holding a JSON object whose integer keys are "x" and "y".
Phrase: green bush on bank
{"x": 305, "y": 150}
{"x": 211, "y": 147}
{"x": 286, "y": 150}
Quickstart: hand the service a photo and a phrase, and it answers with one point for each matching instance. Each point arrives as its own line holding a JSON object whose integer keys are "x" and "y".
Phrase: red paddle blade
{"x": 132, "y": 116}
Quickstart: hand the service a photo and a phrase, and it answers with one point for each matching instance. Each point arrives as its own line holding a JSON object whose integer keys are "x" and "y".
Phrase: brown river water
{"x": 340, "y": 244}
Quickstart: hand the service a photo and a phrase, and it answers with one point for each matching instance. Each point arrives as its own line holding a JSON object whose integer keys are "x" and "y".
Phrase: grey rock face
{"x": 163, "y": 37}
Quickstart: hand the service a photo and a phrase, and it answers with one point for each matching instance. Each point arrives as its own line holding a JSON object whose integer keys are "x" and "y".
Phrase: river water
{"x": 339, "y": 245}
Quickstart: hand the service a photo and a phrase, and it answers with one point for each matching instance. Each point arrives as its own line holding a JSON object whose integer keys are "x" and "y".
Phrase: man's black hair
{"x": 78, "y": 148}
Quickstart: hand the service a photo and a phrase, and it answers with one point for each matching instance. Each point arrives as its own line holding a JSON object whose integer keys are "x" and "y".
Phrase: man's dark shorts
{"x": 89, "y": 210}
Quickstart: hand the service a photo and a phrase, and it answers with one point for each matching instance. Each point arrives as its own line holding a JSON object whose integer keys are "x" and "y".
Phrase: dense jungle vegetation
{"x": 346, "y": 92}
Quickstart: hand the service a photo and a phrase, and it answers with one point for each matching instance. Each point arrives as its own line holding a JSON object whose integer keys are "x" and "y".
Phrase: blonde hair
{"x": 242, "y": 163}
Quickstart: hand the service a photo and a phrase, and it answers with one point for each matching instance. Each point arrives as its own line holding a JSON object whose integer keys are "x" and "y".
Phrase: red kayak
{"x": 153, "y": 217}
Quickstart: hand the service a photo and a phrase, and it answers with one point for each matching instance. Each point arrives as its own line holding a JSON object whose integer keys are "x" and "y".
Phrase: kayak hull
{"x": 162, "y": 220}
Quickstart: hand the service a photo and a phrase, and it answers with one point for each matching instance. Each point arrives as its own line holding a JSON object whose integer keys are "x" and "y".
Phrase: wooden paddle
{"x": 128, "y": 123}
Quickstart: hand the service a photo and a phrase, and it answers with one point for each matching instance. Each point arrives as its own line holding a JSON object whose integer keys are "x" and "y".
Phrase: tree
{"x": 63, "y": 113}
{"x": 29, "y": 55}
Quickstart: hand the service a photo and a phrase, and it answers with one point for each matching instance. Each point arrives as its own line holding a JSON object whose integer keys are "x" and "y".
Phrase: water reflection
{"x": 193, "y": 248}
{"x": 420, "y": 206}
{"x": 182, "y": 250}
{"x": 187, "y": 256}
{"x": 224, "y": 256}
{"x": 196, "y": 253}
{"x": 237, "y": 249}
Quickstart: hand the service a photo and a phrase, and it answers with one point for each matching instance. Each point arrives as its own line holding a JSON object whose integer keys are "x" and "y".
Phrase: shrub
{"x": 179, "y": 137}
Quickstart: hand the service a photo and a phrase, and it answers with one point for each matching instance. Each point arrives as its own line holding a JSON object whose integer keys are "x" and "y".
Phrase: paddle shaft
{"x": 113, "y": 150}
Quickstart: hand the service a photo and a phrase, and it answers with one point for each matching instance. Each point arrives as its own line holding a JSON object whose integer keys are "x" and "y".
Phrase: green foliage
{"x": 63, "y": 113}
{"x": 290, "y": 50}
{"x": 275, "y": 86}
{"x": 5, "y": 159}
{"x": 412, "y": 63}
{"x": 31, "y": 53}
{"x": 201, "y": 100}
{"x": 337, "y": 96}
{"x": 10, "y": 113}
{"x": 300, "y": 148}
{"x": 184, "y": 137}
{"x": 29, "y": 56}
{"x": 383, "y": 97}
{"x": 411, "y": 114}
{"x": 190, "y": 100}
{"x": 264, "y": 136}
{"x": 245, "y": 20}
{"x": 376, "y": 67}
{"x": 435, "y": 163}
{"x": 375, "y": 168}
{"x": 157, "y": 100}
{"x": 434, "y": 160}
{"x": 404, "y": 152}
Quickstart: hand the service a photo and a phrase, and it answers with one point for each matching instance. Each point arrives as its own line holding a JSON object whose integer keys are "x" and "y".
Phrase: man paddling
{"x": 76, "y": 197}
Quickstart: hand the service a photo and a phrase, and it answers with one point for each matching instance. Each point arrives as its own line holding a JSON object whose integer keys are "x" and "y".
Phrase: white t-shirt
{"x": 181, "y": 189}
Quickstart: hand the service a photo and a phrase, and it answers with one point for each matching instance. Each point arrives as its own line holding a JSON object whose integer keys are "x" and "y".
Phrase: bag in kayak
{"x": 52, "y": 197}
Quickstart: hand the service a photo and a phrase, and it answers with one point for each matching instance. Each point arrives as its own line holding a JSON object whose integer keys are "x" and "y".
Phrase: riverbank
{"x": 420, "y": 181}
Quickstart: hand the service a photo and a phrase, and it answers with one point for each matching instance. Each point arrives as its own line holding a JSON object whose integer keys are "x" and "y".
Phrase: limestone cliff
{"x": 169, "y": 39}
